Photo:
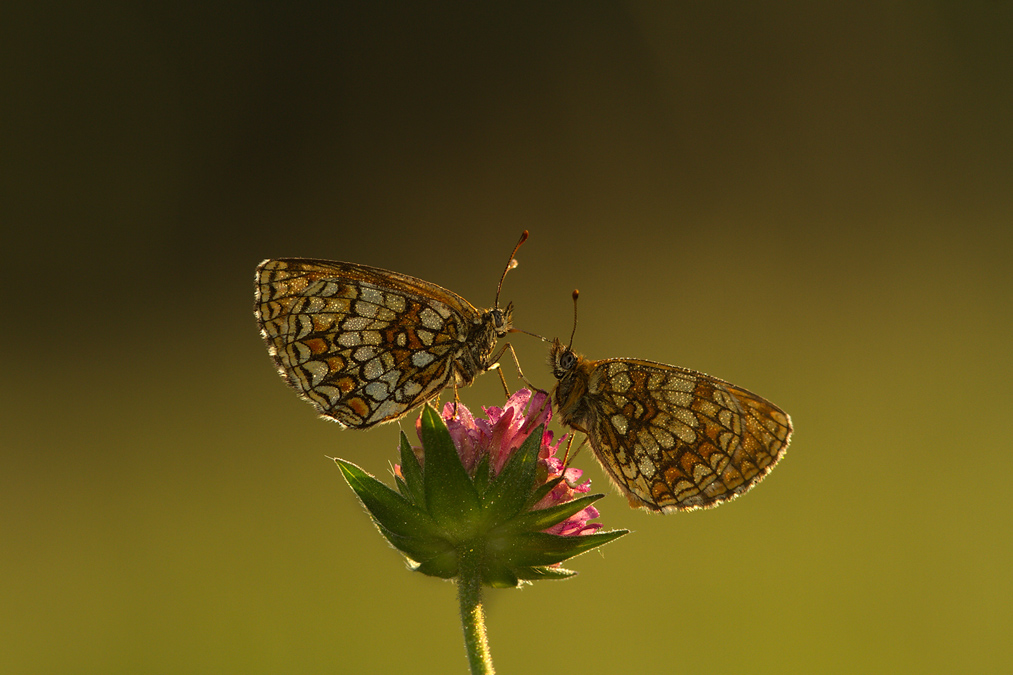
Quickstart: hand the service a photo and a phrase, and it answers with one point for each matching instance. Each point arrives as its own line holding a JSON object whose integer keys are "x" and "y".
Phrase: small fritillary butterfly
{"x": 365, "y": 345}
{"x": 671, "y": 439}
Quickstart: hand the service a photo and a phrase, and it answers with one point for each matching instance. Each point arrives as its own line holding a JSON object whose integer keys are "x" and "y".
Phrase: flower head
{"x": 492, "y": 485}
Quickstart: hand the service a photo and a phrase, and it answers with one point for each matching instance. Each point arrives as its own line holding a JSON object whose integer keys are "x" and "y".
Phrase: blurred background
{"x": 812, "y": 201}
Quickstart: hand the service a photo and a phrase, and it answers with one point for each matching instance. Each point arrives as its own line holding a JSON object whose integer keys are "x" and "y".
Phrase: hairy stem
{"x": 469, "y": 594}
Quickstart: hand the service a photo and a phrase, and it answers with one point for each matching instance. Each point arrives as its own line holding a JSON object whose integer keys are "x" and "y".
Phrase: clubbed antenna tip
{"x": 512, "y": 263}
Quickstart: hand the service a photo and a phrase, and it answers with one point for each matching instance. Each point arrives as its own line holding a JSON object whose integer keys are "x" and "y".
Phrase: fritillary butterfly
{"x": 365, "y": 345}
{"x": 671, "y": 439}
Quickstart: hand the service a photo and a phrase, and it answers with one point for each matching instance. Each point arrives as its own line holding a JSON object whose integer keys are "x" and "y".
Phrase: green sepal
{"x": 402, "y": 488}
{"x": 445, "y": 565}
{"x": 412, "y": 472}
{"x": 417, "y": 548}
{"x": 539, "y": 573}
{"x": 450, "y": 495}
{"x": 482, "y": 475}
{"x": 543, "y": 519}
{"x": 510, "y": 490}
{"x": 388, "y": 508}
{"x": 536, "y": 549}
{"x": 543, "y": 490}
{"x": 498, "y": 576}
{"x": 502, "y": 576}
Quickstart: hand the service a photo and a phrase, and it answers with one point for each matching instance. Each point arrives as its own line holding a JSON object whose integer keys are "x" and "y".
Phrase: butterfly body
{"x": 366, "y": 345}
{"x": 671, "y": 439}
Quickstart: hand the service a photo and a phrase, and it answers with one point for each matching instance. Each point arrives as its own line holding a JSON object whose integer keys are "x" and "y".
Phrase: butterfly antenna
{"x": 510, "y": 265}
{"x": 527, "y": 332}
{"x": 576, "y": 294}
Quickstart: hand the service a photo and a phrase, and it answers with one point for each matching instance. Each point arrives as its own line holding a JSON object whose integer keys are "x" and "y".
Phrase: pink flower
{"x": 485, "y": 497}
{"x": 500, "y": 435}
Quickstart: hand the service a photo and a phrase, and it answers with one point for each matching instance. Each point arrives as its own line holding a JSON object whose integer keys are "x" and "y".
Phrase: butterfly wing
{"x": 674, "y": 439}
{"x": 362, "y": 344}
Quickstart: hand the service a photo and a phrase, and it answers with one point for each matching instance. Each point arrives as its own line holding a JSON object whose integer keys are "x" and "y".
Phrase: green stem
{"x": 469, "y": 594}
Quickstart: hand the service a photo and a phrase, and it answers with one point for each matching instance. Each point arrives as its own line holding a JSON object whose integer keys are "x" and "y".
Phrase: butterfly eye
{"x": 567, "y": 361}
{"x": 498, "y": 320}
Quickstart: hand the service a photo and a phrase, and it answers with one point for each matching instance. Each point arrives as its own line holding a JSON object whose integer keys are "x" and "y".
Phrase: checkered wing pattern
{"x": 671, "y": 439}
{"x": 366, "y": 345}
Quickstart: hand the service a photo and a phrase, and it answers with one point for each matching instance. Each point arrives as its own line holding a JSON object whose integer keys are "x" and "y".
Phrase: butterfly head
{"x": 493, "y": 324}
{"x": 562, "y": 359}
{"x": 501, "y": 320}
{"x": 572, "y": 372}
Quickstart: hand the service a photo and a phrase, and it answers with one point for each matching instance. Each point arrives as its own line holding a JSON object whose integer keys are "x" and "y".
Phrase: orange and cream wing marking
{"x": 365, "y": 345}
{"x": 671, "y": 439}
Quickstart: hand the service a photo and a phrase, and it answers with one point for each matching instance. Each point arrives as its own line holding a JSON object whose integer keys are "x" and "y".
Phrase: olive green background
{"x": 811, "y": 201}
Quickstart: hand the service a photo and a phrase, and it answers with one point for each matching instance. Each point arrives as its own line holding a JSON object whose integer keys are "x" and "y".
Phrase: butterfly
{"x": 366, "y": 345}
{"x": 671, "y": 439}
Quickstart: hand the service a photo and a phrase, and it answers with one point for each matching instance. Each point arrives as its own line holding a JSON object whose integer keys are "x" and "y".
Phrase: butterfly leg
{"x": 520, "y": 373}
{"x": 567, "y": 457}
{"x": 457, "y": 401}
{"x": 502, "y": 379}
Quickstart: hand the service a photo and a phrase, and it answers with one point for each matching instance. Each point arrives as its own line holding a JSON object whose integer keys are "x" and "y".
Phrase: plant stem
{"x": 469, "y": 594}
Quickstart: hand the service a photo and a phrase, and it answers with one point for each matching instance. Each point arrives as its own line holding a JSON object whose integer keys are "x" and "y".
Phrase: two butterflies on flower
{"x": 367, "y": 346}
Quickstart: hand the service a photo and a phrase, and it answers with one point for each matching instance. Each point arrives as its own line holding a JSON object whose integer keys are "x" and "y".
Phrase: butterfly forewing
{"x": 671, "y": 438}
{"x": 366, "y": 345}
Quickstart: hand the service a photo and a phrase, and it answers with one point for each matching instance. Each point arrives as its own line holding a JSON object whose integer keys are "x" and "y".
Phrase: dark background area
{"x": 810, "y": 200}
